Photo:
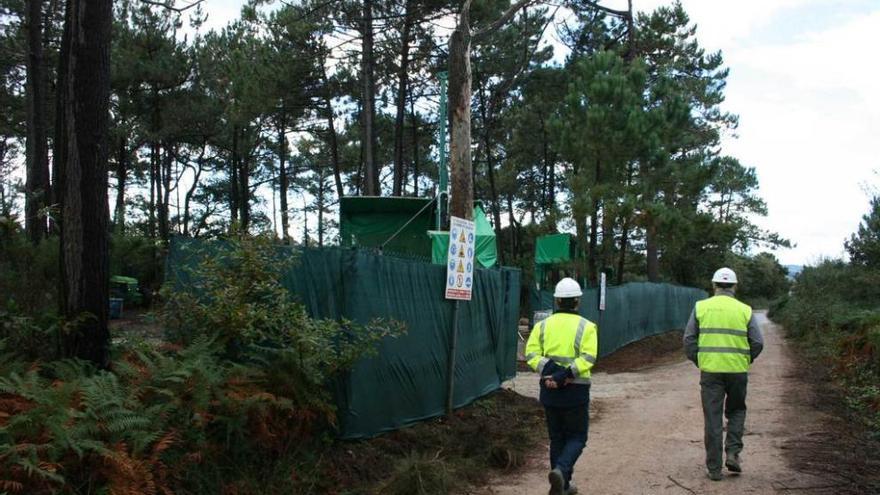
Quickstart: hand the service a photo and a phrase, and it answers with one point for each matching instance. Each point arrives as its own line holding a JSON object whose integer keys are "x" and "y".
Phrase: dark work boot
{"x": 733, "y": 463}
{"x": 557, "y": 482}
{"x": 571, "y": 490}
{"x": 715, "y": 475}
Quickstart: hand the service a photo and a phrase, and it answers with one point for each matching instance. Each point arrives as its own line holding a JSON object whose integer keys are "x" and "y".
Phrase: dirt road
{"x": 646, "y": 436}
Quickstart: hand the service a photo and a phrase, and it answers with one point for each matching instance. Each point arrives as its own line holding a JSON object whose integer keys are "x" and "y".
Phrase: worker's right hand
{"x": 549, "y": 382}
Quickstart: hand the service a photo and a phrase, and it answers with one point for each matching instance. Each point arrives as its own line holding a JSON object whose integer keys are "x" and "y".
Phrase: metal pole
{"x": 443, "y": 187}
{"x": 450, "y": 369}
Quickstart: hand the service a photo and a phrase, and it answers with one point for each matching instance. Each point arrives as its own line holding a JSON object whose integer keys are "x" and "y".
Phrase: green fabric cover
{"x": 553, "y": 248}
{"x": 119, "y": 279}
{"x": 366, "y": 221}
{"x": 487, "y": 251}
{"x": 406, "y": 381}
{"x": 632, "y": 311}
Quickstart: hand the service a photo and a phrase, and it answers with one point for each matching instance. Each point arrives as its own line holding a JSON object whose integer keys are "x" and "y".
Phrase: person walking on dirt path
{"x": 723, "y": 339}
{"x": 563, "y": 349}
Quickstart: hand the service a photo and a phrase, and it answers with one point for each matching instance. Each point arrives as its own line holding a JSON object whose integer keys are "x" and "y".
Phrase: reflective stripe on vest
{"x": 723, "y": 345}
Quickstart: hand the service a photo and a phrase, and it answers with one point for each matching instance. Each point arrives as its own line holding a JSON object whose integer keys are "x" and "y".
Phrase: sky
{"x": 803, "y": 80}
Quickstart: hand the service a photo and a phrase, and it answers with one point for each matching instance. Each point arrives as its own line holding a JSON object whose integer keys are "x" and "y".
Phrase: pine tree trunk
{"x": 85, "y": 214}
{"x": 331, "y": 134}
{"x": 36, "y": 151}
{"x": 244, "y": 194}
{"x": 607, "y": 236}
{"x": 415, "y": 147}
{"x": 402, "y": 77}
{"x": 462, "y": 188}
{"x": 371, "y": 185}
{"x": 490, "y": 169}
{"x": 283, "y": 181}
{"x": 200, "y": 161}
{"x": 59, "y": 148}
{"x": 165, "y": 194}
{"x": 153, "y": 179}
{"x": 233, "y": 180}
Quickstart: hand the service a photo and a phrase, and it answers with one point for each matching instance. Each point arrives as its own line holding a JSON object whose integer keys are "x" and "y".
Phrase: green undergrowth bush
{"x": 237, "y": 402}
{"x": 834, "y": 311}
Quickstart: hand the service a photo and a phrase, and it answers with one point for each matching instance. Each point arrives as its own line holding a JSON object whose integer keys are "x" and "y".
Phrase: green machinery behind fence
{"x": 405, "y": 382}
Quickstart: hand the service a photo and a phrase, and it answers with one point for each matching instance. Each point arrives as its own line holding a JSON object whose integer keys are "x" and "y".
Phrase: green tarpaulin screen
{"x": 486, "y": 254}
{"x": 406, "y": 381}
{"x": 632, "y": 311}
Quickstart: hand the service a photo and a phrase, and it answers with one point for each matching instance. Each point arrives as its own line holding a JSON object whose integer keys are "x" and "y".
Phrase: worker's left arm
{"x": 690, "y": 337}
{"x": 587, "y": 353}
{"x": 535, "y": 353}
{"x": 756, "y": 340}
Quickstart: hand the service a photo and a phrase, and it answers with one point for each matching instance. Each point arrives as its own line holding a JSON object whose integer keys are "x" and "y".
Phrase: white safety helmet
{"x": 724, "y": 276}
{"x": 567, "y": 288}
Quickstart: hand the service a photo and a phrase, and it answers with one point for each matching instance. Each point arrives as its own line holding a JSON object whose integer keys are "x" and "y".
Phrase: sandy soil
{"x": 646, "y": 434}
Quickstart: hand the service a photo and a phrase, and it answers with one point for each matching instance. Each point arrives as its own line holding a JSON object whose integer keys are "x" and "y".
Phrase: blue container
{"x": 115, "y": 308}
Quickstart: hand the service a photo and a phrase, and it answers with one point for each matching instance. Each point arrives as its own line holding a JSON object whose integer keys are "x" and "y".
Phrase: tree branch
{"x": 501, "y": 20}
{"x": 619, "y": 13}
{"x": 169, "y": 6}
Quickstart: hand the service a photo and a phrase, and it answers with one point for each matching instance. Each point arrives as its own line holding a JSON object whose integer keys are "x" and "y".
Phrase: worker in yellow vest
{"x": 723, "y": 339}
{"x": 562, "y": 349}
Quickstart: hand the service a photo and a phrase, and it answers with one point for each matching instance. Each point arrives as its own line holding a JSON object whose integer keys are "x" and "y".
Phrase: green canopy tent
{"x": 369, "y": 221}
{"x": 487, "y": 252}
{"x": 550, "y": 250}
{"x": 403, "y": 225}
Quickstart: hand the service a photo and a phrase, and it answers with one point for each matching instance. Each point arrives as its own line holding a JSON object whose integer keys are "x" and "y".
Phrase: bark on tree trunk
{"x": 282, "y": 175}
{"x": 165, "y": 195}
{"x": 331, "y": 133}
{"x": 402, "y": 77}
{"x": 462, "y": 188}
{"x": 490, "y": 169}
{"x": 59, "y": 151}
{"x": 36, "y": 152}
{"x": 233, "y": 180}
{"x": 153, "y": 179}
{"x": 371, "y": 185}
{"x": 607, "y": 236}
{"x": 85, "y": 214}
{"x": 244, "y": 206}
{"x": 415, "y": 147}
{"x": 200, "y": 161}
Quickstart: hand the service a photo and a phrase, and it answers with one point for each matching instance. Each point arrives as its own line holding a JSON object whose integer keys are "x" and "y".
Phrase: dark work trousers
{"x": 723, "y": 393}
{"x": 568, "y": 428}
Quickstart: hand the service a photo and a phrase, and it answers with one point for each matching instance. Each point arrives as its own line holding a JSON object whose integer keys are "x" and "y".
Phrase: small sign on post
{"x": 460, "y": 259}
{"x": 602, "y": 292}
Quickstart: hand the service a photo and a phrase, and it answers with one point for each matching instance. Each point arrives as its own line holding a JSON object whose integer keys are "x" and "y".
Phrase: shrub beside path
{"x": 646, "y": 433}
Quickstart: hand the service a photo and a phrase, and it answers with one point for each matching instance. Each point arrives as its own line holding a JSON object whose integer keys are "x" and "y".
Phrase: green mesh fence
{"x": 632, "y": 311}
{"x": 405, "y": 382}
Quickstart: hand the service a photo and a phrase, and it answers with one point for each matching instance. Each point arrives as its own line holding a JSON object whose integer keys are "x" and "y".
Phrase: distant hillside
{"x": 794, "y": 270}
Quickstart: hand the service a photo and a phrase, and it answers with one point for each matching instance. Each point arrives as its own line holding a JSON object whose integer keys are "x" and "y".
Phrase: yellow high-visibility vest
{"x": 723, "y": 345}
{"x": 567, "y": 339}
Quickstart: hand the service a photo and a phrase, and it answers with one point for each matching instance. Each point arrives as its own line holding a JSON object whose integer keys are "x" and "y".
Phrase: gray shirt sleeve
{"x": 756, "y": 340}
{"x": 691, "y": 335}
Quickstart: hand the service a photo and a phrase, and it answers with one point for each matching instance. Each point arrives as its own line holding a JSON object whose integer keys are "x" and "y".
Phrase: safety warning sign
{"x": 460, "y": 261}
